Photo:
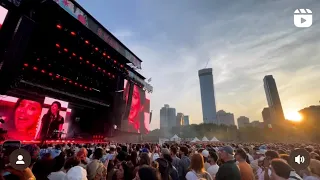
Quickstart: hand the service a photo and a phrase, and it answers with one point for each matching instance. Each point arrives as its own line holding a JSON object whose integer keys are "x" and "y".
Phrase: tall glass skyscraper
{"x": 275, "y": 107}
{"x": 207, "y": 96}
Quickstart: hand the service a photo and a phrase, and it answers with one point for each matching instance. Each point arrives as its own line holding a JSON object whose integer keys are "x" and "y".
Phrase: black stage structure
{"x": 55, "y": 48}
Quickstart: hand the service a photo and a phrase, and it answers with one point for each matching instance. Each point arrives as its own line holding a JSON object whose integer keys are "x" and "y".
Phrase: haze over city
{"x": 241, "y": 40}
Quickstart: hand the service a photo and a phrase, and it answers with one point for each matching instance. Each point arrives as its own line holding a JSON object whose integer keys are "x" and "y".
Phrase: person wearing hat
{"x": 228, "y": 170}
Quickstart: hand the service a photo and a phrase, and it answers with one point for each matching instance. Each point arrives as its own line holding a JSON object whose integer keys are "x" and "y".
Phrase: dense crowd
{"x": 220, "y": 161}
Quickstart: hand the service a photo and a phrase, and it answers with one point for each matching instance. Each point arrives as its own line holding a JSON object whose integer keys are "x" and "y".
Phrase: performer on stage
{"x": 51, "y": 122}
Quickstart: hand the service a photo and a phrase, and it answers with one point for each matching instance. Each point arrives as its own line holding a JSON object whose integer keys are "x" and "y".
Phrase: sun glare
{"x": 293, "y": 116}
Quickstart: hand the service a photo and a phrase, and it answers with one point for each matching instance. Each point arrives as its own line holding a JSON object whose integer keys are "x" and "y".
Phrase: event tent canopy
{"x": 195, "y": 140}
{"x": 214, "y": 139}
{"x": 175, "y": 138}
{"x": 205, "y": 139}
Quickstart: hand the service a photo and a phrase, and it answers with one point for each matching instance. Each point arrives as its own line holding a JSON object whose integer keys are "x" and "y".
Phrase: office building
{"x": 273, "y": 99}
{"x": 311, "y": 114}
{"x": 179, "y": 119}
{"x": 257, "y": 124}
{"x": 243, "y": 121}
{"x": 207, "y": 96}
{"x": 266, "y": 115}
{"x": 167, "y": 116}
{"x": 225, "y": 118}
{"x": 186, "y": 120}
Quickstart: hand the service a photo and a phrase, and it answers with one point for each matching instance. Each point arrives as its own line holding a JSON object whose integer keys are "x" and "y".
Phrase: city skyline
{"x": 245, "y": 41}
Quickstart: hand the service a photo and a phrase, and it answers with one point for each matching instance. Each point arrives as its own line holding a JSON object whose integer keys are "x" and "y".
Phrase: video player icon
{"x": 299, "y": 159}
{"x": 302, "y": 18}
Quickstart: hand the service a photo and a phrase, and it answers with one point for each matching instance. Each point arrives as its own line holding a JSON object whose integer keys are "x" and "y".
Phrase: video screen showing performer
{"x": 52, "y": 122}
{"x": 21, "y": 117}
{"x": 3, "y": 15}
{"x": 138, "y": 118}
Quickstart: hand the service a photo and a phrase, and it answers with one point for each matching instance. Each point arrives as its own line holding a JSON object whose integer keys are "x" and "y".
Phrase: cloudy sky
{"x": 243, "y": 40}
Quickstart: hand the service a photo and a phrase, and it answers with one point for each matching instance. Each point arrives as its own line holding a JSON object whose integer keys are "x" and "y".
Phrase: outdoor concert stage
{"x": 55, "y": 51}
{"x": 66, "y": 141}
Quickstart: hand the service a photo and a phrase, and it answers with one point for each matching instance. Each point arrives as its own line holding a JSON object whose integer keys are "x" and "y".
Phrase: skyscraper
{"x": 207, "y": 96}
{"x": 186, "y": 120}
{"x": 243, "y": 121}
{"x": 167, "y": 116}
{"x": 225, "y": 118}
{"x": 266, "y": 115}
{"x": 179, "y": 119}
{"x": 273, "y": 99}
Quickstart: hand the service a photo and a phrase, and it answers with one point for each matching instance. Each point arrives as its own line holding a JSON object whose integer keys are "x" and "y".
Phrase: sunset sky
{"x": 242, "y": 40}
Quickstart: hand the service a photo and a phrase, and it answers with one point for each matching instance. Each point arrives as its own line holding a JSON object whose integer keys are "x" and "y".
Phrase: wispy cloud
{"x": 242, "y": 40}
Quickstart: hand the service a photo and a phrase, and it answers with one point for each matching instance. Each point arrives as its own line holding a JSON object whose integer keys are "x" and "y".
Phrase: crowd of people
{"x": 219, "y": 161}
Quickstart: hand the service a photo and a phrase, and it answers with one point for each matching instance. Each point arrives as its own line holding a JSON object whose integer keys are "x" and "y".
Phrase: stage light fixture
{"x": 59, "y": 26}
{"x": 25, "y": 65}
{"x": 104, "y": 54}
{"x": 64, "y": 78}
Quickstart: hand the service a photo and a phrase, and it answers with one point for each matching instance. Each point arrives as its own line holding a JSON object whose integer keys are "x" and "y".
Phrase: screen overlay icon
{"x": 302, "y": 18}
{"x": 299, "y": 159}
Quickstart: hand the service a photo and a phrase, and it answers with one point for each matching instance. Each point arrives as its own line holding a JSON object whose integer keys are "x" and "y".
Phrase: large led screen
{"x": 54, "y": 117}
{"x": 138, "y": 105}
{"x": 3, "y": 14}
{"x": 26, "y": 119}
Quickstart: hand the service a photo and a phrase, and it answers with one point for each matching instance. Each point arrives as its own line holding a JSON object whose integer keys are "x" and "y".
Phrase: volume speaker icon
{"x": 299, "y": 159}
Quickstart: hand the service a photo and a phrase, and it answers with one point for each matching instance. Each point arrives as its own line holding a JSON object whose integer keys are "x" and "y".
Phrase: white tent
{"x": 205, "y": 139}
{"x": 214, "y": 139}
{"x": 175, "y": 138}
{"x": 163, "y": 140}
{"x": 195, "y": 140}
